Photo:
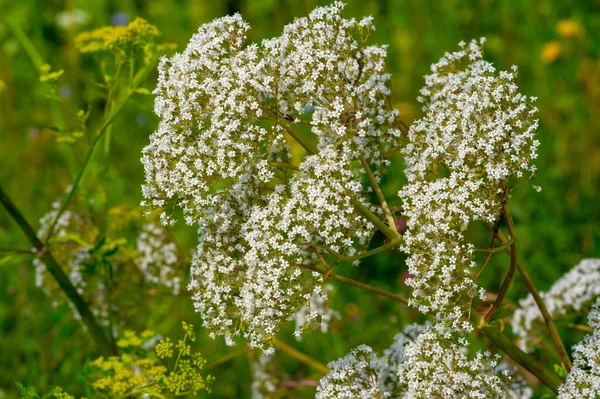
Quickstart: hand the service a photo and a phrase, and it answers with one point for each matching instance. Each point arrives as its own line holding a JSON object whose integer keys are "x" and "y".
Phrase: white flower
{"x": 583, "y": 381}
{"x": 220, "y": 153}
{"x": 476, "y": 134}
{"x": 157, "y": 257}
{"x": 316, "y": 313}
{"x": 421, "y": 363}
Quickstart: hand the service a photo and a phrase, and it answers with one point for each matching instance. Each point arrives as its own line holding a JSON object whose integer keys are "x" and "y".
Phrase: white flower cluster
{"x": 478, "y": 132}
{"x": 246, "y": 269}
{"x": 578, "y": 288}
{"x": 356, "y": 375}
{"x": 214, "y": 98}
{"x": 420, "y": 364}
{"x": 583, "y": 381}
{"x": 157, "y": 257}
{"x": 220, "y": 154}
{"x": 68, "y": 224}
{"x": 317, "y": 312}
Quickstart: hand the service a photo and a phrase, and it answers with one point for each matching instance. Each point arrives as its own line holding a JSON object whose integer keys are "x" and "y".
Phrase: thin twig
{"x": 366, "y": 254}
{"x": 358, "y": 284}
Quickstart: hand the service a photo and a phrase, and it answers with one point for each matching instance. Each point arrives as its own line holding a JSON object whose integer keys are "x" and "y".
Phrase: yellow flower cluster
{"x": 47, "y": 75}
{"x": 135, "y": 35}
{"x": 131, "y": 373}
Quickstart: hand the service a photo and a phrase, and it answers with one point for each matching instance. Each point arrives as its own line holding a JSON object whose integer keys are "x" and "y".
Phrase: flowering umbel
{"x": 481, "y": 132}
{"x": 221, "y": 154}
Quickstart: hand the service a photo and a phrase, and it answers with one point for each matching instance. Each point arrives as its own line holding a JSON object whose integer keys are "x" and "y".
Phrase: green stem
{"x": 61, "y": 278}
{"x": 285, "y": 165}
{"x": 301, "y": 357}
{"x": 497, "y": 249}
{"x": 107, "y": 122}
{"x": 511, "y": 270}
{"x": 379, "y": 193}
{"x": 358, "y": 284}
{"x": 17, "y": 250}
{"x": 366, "y": 254}
{"x": 560, "y": 346}
{"x": 225, "y": 359}
{"x": 30, "y": 49}
{"x": 549, "y": 379}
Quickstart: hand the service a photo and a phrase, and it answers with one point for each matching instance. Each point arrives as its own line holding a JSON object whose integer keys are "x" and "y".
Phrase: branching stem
{"x": 311, "y": 149}
{"x": 379, "y": 193}
{"x": 511, "y": 270}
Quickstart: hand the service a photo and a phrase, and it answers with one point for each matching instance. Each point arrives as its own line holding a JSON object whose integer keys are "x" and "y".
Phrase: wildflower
{"x": 420, "y": 364}
{"x": 583, "y": 381}
{"x": 568, "y": 28}
{"x": 224, "y": 108}
{"x": 482, "y": 132}
{"x": 135, "y": 35}
{"x": 158, "y": 257}
{"x": 264, "y": 381}
{"x": 72, "y": 18}
{"x": 317, "y": 312}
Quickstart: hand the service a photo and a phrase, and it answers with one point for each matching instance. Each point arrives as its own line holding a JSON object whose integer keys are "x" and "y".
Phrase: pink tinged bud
{"x": 401, "y": 224}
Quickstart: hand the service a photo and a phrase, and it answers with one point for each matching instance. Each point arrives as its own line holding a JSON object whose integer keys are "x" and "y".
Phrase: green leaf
{"x": 27, "y": 392}
{"x": 560, "y": 369}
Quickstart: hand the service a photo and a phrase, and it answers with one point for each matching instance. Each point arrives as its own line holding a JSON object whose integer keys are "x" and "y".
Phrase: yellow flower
{"x": 138, "y": 33}
{"x": 129, "y": 339}
{"x": 550, "y": 52}
{"x": 568, "y": 28}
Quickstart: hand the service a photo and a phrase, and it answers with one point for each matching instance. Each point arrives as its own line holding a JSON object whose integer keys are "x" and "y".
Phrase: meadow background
{"x": 556, "y": 45}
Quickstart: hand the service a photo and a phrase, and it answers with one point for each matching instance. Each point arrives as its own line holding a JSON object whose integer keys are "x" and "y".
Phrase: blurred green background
{"x": 556, "y": 45}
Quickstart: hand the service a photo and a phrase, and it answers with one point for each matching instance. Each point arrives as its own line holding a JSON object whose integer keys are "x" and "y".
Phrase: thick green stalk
{"x": 61, "y": 278}
{"x": 301, "y": 357}
{"x": 560, "y": 346}
{"x": 16, "y": 250}
{"x": 549, "y": 379}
